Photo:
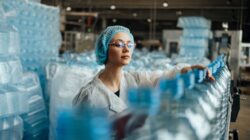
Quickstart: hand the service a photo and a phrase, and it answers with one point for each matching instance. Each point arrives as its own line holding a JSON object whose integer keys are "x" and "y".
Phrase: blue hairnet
{"x": 102, "y": 42}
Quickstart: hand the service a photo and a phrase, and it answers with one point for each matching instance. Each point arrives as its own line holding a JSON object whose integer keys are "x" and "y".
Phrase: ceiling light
{"x": 225, "y": 25}
{"x": 178, "y": 12}
{"x": 114, "y": 20}
{"x": 112, "y": 7}
{"x": 149, "y": 20}
{"x": 134, "y": 14}
{"x": 165, "y": 4}
{"x": 68, "y": 9}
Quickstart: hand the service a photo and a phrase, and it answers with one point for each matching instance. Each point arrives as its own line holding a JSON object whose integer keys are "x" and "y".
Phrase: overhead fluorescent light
{"x": 149, "y": 20}
{"x": 68, "y": 9}
{"x": 114, "y": 20}
{"x": 179, "y": 13}
{"x": 225, "y": 25}
{"x": 165, "y": 4}
{"x": 112, "y": 7}
{"x": 134, "y": 14}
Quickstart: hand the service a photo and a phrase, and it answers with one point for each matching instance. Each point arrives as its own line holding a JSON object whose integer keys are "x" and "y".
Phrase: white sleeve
{"x": 151, "y": 78}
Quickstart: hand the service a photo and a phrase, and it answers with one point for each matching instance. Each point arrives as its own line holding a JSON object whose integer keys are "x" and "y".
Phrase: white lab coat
{"x": 98, "y": 95}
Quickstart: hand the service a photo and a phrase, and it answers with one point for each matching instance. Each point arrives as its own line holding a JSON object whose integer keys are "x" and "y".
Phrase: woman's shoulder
{"x": 131, "y": 73}
{"x": 84, "y": 93}
{"x": 136, "y": 74}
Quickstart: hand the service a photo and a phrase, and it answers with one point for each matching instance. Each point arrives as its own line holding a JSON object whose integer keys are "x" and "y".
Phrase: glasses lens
{"x": 119, "y": 44}
{"x": 131, "y": 45}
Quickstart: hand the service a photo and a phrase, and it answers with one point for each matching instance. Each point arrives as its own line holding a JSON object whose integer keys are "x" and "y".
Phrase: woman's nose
{"x": 125, "y": 48}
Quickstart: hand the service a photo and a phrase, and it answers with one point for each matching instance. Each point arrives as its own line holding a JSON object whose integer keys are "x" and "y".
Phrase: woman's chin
{"x": 126, "y": 62}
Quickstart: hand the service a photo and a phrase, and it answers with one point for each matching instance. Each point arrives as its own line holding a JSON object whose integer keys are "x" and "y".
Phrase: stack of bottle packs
{"x": 39, "y": 29}
{"x": 187, "y": 107}
{"x": 22, "y": 109}
{"x": 196, "y": 32}
{"x": 13, "y": 102}
{"x": 35, "y": 120}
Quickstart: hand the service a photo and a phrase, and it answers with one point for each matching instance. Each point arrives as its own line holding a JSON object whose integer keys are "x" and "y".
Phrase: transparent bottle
{"x": 86, "y": 123}
{"x": 143, "y": 105}
{"x": 11, "y": 128}
{"x": 173, "y": 117}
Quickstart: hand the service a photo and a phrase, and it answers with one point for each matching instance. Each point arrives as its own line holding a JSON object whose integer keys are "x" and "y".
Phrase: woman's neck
{"x": 111, "y": 77}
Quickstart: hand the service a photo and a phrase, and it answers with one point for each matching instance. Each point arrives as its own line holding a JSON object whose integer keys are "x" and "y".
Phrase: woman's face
{"x": 120, "y": 49}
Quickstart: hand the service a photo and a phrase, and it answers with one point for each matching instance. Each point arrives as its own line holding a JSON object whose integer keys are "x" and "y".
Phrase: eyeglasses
{"x": 121, "y": 44}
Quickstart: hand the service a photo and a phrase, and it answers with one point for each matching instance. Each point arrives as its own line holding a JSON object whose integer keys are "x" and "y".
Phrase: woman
{"x": 114, "y": 49}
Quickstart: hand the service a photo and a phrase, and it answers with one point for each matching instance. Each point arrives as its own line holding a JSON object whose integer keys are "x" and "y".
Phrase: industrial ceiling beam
{"x": 148, "y": 4}
{"x": 228, "y": 15}
{"x": 81, "y": 14}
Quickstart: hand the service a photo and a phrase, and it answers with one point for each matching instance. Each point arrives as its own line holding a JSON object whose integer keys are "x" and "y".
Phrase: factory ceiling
{"x": 147, "y": 16}
{"x": 216, "y": 10}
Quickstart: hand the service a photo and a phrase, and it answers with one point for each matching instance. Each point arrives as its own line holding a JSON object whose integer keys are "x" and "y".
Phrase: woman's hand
{"x": 200, "y": 67}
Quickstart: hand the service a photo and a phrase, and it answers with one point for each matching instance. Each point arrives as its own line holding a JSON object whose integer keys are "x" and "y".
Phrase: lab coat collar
{"x": 116, "y": 104}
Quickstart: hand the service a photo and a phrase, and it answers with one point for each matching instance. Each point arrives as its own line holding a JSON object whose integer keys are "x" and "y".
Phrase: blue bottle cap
{"x": 173, "y": 87}
{"x": 199, "y": 75}
{"x": 188, "y": 79}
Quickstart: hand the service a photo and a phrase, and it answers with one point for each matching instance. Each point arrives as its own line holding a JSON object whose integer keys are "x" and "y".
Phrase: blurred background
{"x": 50, "y": 55}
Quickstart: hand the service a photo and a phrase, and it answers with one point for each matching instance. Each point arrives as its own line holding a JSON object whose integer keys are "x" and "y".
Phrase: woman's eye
{"x": 119, "y": 44}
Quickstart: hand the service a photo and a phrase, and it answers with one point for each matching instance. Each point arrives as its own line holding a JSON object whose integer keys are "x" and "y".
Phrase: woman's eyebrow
{"x": 122, "y": 40}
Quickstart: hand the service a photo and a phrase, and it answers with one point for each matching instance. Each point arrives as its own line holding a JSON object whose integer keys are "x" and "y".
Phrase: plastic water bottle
{"x": 217, "y": 96}
{"x": 90, "y": 124}
{"x": 143, "y": 105}
{"x": 211, "y": 100}
{"x": 172, "y": 114}
{"x": 193, "y": 101}
{"x": 220, "y": 86}
{"x": 197, "y": 33}
{"x": 10, "y": 69}
{"x": 194, "y": 22}
{"x": 14, "y": 101}
{"x": 36, "y": 119}
{"x": 194, "y": 42}
{"x": 38, "y": 26}
{"x": 11, "y": 128}
{"x": 9, "y": 38}
{"x": 226, "y": 74}
{"x": 228, "y": 99}
{"x": 223, "y": 79}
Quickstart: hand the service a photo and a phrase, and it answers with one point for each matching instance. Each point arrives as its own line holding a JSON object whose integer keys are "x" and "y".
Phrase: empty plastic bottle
{"x": 36, "y": 119}
{"x": 14, "y": 101}
{"x": 193, "y": 22}
{"x": 11, "y": 128}
{"x": 9, "y": 38}
{"x": 197, "y": 33}
{"x": 143, "y": 105}
{"x": 197, "y": 102}
{"x": 10, "y": 69}
{"x": 172, "y": 114}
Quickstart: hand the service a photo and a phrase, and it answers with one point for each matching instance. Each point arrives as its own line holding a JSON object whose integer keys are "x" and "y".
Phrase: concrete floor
{"x": 242, "y": 123}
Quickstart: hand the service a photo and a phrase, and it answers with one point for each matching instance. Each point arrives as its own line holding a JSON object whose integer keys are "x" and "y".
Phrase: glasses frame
{"x": 122, "y": 44}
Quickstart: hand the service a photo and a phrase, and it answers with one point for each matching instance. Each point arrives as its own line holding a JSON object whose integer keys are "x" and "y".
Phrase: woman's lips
{"x": 125, "y": 57}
